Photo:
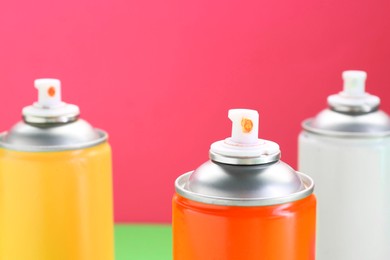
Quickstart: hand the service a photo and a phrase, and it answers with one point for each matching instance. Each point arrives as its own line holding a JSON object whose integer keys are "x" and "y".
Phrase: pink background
{"x": 159, "y": 76}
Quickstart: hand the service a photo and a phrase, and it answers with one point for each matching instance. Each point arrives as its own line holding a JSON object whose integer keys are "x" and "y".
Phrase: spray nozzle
{"x": 244, "y": 146}
{"x": 354, "y": 99}
{"x": 49, "y": 108}
{"x": 354, "y": 83}
{"x": 49, "y": 92}
{"x": 245, "y": 125}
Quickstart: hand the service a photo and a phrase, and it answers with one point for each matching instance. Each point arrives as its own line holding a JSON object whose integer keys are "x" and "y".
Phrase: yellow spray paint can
{"x": 55, "y": 184}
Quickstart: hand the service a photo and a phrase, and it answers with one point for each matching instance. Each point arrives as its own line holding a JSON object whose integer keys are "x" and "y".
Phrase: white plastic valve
{"x": 49, "y": 92}
{"x": 49, "y": 107}
{"x": 244, "y": 141}
{"x": 354, "y": 83}
{"x": 245, "y": 125}
{"x": 354, "y": 95}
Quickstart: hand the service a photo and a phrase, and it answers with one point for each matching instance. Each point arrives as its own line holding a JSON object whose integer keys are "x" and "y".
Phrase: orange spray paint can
{"x": 55, "y": 184}
{"x": 244, "y": 203}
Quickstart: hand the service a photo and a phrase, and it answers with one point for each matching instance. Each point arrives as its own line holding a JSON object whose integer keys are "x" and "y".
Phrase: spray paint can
{"x": 244, "y": 203}
{"x": 55, "y": 184}
{"x": 346, "y": 149}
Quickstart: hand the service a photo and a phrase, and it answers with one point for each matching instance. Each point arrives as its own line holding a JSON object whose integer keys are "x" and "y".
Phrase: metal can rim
{"x": 244, "y": 160}
{"x": 363, "y": 109}
{"x": 306, "y": 126}
{"x": 54, "y": 119}
{"x": 102, "y": 137}
{"x": 243, "y": 202}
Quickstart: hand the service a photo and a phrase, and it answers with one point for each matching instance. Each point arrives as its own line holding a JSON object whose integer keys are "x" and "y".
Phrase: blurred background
{"x": 160, "y": 76}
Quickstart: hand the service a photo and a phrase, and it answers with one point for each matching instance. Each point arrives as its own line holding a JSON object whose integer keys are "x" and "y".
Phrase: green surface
{"x": 140, "y": 242}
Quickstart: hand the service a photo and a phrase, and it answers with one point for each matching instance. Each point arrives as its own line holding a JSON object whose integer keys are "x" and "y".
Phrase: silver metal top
{"x": 260, "y": 159}
{"x": 332, "y": 123}
{"x": 51, "y": 137}
{"x": 354, "y": 110}
{"x": 250, "y": 185}
{"x": 63, "y": 119}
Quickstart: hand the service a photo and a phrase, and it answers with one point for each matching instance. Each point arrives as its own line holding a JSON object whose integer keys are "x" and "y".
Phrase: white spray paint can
{"x": 346, "y": 150}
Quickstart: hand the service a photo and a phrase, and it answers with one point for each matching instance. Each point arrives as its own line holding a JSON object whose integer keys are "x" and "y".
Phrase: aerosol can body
{"x": 346, "y": 150}
{"x": 55, "y": 184}
{"x": 244, "y": 203}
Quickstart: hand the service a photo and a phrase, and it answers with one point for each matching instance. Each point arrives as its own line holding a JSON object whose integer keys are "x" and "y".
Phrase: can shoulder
{"x": 329, "y": 122}
{"x": 225, "y": 184}
{"x": 70, "y": 136}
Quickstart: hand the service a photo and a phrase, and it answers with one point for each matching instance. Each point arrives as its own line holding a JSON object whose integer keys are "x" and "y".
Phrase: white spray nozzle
{"x": 49, "y": 108}
{"x": 245, "y": 125}
{"x": 354, "y": 98}
{"x": 49, "y": 92}
{"x": 354, "y": 83}
{"x": 244, "y": 146}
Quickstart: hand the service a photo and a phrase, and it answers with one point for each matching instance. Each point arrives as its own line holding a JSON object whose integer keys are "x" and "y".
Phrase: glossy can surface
{"x": 353, "y": 191}
{"x": 55, "y": 184}
{"x": 56, "y": 205}
{"x": 275, "y": 232}
{"x": 345, "y": 148}
{"x": 244, "y": 203}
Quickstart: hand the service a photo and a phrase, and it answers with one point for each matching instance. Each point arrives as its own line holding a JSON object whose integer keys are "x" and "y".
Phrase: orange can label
{"x": 276, "y": 232}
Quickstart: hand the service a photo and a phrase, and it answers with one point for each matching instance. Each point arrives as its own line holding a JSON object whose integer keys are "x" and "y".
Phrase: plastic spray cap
{"x": 354, "y": 98}
{"x": 354, "y": 83}
{"x": 49, "y": 108}
{"x": 49, "y": 92}
{"x": 244, "y": 146}
{"x": 245, "y": 125}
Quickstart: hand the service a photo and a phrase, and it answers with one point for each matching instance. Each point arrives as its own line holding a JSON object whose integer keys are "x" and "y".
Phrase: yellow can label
{"x": 56, "y": 205}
